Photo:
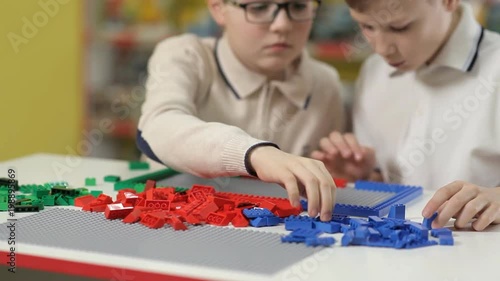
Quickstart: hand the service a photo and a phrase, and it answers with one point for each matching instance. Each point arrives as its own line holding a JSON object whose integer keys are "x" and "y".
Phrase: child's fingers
{"x": 354, "y": 145}
{"x": 440, "y": 197}
{"x": 326, "y": 190}
{"x": 454, "y": 205}
{"x": 318, "y": 155}
{"x": 289, "y": 181}
{"x": 489, "y": 216}
{"x": 469, "y": 211}
{"x": 311, "y": 184}
{"x": 327, "y": 146}
{"x": 340, "y": 144}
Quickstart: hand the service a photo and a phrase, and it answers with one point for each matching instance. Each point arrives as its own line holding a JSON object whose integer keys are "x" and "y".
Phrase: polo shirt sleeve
{"x": 169, "y": 130}
{"x": 361, "y": 123}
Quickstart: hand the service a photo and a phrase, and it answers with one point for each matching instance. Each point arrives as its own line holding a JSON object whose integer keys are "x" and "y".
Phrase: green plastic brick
{"x": 64, "y": 191}
{"x": 111, "y": 178}
{"x": 4, "y": 207}
{"x": 95, "y": 193}
{"x": 70, "y": 200}
{"x": 139, "y": 187}
{"x": 158, "y": 175}
{"x": 181, "y": 189}
{"x": 61, "y": 202}
{"x": 82, "y": 191}
{"x": 48, "y": 200}
{"x": 90, "y": 182}
{"x": 137, "y": 165}
{"x": 41, "y": 192}
{"x": 25, "y": 209}
{"x": 57, "y": 184}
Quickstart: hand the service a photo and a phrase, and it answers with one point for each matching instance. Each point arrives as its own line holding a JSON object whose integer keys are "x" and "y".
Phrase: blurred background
{"x": 73, "y": 71}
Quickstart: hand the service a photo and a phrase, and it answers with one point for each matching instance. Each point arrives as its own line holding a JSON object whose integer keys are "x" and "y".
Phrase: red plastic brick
{"x": 117, "y": 211}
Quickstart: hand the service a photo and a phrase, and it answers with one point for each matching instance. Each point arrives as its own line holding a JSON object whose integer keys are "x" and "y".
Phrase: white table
{"x": 475, "y": 256}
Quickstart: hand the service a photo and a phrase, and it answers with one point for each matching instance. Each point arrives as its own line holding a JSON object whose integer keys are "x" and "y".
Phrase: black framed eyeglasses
{"x": 265, "y": 12}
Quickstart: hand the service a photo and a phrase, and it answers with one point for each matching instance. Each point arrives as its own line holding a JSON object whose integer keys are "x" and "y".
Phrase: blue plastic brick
{"x": 323, "y": 241}
{"x": 292, "y": 239}
{"x": 397, "y": 212}
{"x": 253, "y": 213}
{"x": 298, "y": 222}
{"x": 327, "y": 227}
{"x": 420, "y": 230}
{"x": 265, "y": 221}
{"x": 305, "y": 233}
{"x": 427, "y": 222}
{"x": 303, "y": 203}
{"x": 389, "y": 232}
{"x": 446, "y": 239}
{"x": 341, "y": 219}
{"x": 436, "y": 232}
{"x": 402, "y": 194}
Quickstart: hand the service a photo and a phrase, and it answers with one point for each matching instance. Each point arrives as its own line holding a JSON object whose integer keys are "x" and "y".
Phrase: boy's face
{"x": 406, "y": 33}
{"x": 267, "y": 48}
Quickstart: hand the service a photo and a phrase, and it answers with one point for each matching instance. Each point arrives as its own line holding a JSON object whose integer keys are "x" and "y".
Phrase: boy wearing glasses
{"x": 250, "y": 103}
{"x": 429, "y": 103}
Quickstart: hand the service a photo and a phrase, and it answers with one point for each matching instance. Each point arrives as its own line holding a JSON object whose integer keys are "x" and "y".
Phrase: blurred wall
{"x": 41, "y": 85}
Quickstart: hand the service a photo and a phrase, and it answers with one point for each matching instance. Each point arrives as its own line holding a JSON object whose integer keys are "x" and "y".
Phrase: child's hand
{"x": 464, "y": 201}
{"x": 299, "y": 176}
{"x": 344, "y": 157}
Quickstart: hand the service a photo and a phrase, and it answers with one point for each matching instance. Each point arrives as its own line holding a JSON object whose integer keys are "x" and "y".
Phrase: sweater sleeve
{"x": 169, "y": 130}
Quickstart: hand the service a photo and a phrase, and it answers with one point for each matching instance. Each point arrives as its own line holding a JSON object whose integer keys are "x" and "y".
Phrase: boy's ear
{"x": 216, "y": 8}
{"x": 451, "y": 5}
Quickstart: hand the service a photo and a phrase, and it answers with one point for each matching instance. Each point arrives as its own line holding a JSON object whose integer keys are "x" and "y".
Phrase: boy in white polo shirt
{"x": 429, "y": 104}
{"x": 222, "y": 107}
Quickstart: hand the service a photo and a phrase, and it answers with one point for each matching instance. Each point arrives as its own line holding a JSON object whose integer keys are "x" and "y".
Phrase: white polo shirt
{"x": 442, "y": 122}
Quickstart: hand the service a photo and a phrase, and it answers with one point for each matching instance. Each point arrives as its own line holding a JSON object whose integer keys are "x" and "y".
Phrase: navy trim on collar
{"x": 476, "y": 53}
{"x": 144, "y": 147}
{"x": 219, "y": 67}
{"x": 308, "y": 100}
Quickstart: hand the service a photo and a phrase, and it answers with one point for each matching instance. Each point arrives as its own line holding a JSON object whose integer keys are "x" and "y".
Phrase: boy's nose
{"x": 384, "y": 46}
{"x": 281, "y": 22}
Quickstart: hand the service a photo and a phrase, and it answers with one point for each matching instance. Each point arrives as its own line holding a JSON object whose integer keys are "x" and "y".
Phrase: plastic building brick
{"x": 340, "y": 183}
{"x": 327, "y": 227}
{"x": 117, "y": 211}
{"x": 96, "y": 193}
{"x": 303, "y": 204}
{"x": 4, "y": 206}
{"x": 299, "y": 222}
{"x": 396, "y": 194}
{"x": 446, "y": 239}
{"x": 220, "y": 219}
{"x": 257, "y": 212}
{"x": 142, "y": 179}
{"x": 397, "y": 212}
{"x": 427, "y": 222}
{"x": 48, "y": 200}
{"x": 57, "y": 184}
{"x": 25, "y": 208}
{"x": 90, "y": 182}
{"x": 84, "y": 200}
{"x": 64, "y": 191}
{"x": 323, "y": 241}
{"x": 111, "y": 178}
{"x": 436, "y": 232}
{"x": 265, "y": 221}
{"x": 10, "y": 183}
{"x": 137, "y": 165}
{"x": 387, "y": 232}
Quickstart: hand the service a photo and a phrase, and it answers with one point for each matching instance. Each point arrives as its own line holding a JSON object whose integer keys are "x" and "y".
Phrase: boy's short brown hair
{"x": 359, "y": 5}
